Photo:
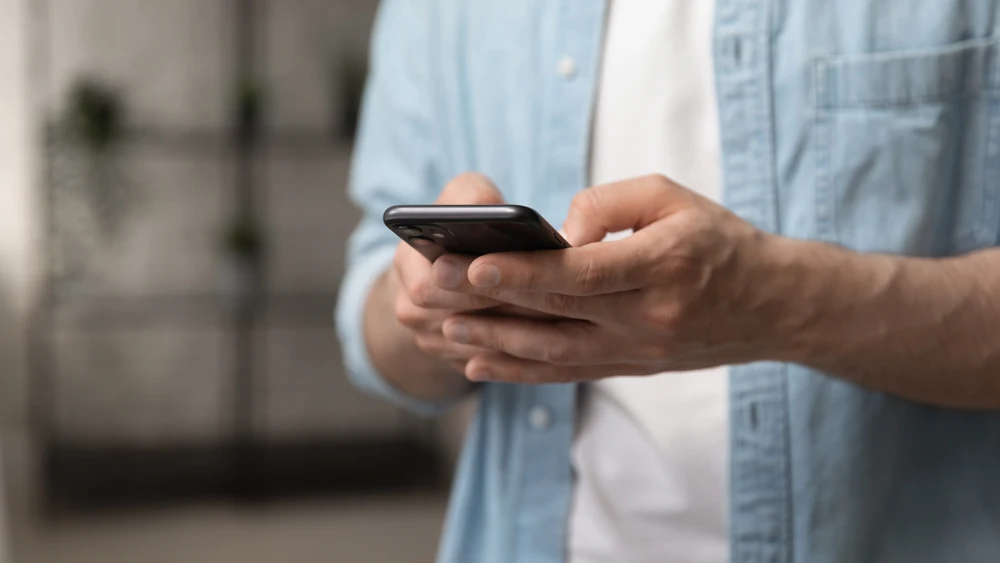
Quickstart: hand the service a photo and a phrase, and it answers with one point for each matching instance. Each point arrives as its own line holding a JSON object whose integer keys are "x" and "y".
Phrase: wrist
{"x": 798, "y": 289}
{"x": 776, "y": 268}
{"x": 827, "y": 298}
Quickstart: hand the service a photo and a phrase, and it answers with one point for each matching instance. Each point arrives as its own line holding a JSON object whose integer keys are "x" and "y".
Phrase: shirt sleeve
{"x": 395, "y": 161}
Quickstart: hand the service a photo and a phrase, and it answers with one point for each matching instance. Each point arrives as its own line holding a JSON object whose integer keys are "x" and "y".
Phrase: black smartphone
{"x": 434, "y": 230}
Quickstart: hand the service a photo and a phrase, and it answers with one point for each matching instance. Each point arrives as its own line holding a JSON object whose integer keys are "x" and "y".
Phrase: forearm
{"x": 396, "y": 356}
{"x": 924, "y": 329}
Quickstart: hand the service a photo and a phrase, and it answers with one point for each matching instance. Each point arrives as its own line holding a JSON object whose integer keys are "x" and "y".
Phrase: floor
{"x": 362, "y": 530}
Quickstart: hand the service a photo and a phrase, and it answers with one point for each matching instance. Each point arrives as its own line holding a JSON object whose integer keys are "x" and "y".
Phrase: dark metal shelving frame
{"x": 246, "y": 467}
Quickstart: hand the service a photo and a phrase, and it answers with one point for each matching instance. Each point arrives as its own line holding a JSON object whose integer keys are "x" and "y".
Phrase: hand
{"x": 421, "y": 305}
{"x": 688, "y": 290}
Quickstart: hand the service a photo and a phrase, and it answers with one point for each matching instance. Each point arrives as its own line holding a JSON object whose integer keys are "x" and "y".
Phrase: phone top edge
{"x": 458, "y": 213}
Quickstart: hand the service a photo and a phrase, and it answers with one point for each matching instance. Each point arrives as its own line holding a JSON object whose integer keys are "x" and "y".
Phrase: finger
{"x": 595, "y": 269}
{"x": 415, "y": 318}
{"x": 420, "y": 320}
{"x": 502, "y": 368}
{"x": 450, "y": 272}
{"x": 557, "y": 305}
{"x": 560, "y": 343}
{"x": 435, "y": 344}
{"x": 609, "y": 309}
{"x": 629, "y": 204}
{"x": 519, "y": 312}
{"x": 426, "y": 296}
{"x": 470, "y": 189}
{"x": 414, "y": 273}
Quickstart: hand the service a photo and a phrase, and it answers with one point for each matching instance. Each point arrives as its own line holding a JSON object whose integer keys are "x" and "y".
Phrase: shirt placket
{"x": 759, "y": 463}
{"x": 546, "y": 413}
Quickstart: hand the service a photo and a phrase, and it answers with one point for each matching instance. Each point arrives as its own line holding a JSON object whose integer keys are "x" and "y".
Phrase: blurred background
{"x": 173, "y": 215}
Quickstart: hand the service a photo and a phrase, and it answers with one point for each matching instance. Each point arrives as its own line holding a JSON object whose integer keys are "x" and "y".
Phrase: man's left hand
{"x": 693, "y": 287}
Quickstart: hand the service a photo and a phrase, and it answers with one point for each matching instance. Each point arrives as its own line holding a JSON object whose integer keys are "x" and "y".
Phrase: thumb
{"x": 470, "y": 189}
{"x": 629, "y": 204}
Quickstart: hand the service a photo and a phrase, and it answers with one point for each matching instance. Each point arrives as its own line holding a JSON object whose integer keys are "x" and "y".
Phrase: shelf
{"x": 220, "y": 143}
{"x": 88, "y": 478}
{"x": 247, "y": 460}
{"x": 118, "y": 313}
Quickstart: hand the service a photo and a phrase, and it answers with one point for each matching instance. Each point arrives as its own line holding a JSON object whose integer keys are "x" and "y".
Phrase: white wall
{"x": 17, "y": 166}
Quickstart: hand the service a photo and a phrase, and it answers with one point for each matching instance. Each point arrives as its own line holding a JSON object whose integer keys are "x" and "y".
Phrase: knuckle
{"x": 661, "y": 184}
{"x": 527, "y": 349}
{"x": 421, "y": 293}
{"x": 494, "y": 340}
{"x": 585, "y": 203}
{"x": 671, "y": 316}
{"x": 558, "y": 353}
{"x": 559, "y": 303}
{"x": 686, "y": 270}
{"x": 407, "y": 314}
{"x": 533, "y": 279}
{"x": 594, "y": 276}
{"x": 659, "y": 181}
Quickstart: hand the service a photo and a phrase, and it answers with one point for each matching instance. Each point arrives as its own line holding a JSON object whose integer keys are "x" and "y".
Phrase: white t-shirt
{"x": 651, "y": 453}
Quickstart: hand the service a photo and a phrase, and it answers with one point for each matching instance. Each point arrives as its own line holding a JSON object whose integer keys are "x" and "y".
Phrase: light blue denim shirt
{"x": 874, "y": 124}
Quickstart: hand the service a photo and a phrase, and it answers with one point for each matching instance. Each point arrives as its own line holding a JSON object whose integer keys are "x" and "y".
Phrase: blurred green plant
{"x": 243, "y": 253}
{"x": 91, "y": 195}
{"x": 95, "y": 116}
{"x": 349, "y": 79}
{"x": 243, "y": 239}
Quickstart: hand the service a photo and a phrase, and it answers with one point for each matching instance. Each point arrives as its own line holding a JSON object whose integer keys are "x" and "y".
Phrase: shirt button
{"x": 539, "y": 418}
{"x": 566, "y": 67}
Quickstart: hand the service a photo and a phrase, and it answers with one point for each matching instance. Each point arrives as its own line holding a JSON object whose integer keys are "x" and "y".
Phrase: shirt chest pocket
{"x": 908, "y": 149}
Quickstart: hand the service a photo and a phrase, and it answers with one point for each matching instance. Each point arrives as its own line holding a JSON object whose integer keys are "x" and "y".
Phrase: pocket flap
{"x": 900, "y": 78}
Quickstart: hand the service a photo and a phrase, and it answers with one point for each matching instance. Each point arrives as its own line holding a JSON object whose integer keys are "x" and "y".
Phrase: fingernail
{"x": 457, "y": 332}
{"x": 447, "y": 274}
{"x": 486, "y": 275}
{"x": 480, "y": 375}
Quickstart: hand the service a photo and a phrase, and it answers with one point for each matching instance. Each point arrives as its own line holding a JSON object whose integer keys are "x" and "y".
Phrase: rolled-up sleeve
{"x": 395, "y": 161}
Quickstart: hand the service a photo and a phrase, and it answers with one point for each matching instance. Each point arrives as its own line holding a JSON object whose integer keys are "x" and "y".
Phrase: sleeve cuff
{"x": 350, "y": 328}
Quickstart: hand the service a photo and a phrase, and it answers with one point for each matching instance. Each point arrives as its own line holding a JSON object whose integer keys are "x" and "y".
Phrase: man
{"x": 821, "y": 352}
